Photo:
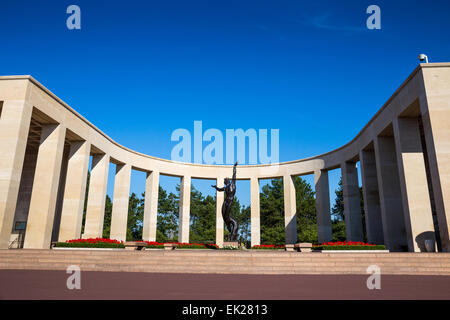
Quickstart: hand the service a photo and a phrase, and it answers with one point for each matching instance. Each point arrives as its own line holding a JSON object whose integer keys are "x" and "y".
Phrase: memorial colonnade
{"x": 403, "y": 153}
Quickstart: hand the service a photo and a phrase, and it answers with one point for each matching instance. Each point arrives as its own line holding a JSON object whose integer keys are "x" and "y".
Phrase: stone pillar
{"x": 119, "y": 217}
{"x": 290, "y": 209}
{"x": 413, "y": 184}
{"x": 185, "y": 207}
{"x": 372, "y": 210}
{"x": 352, "y": 202}
{"x": 14, "y": 125}
{"x": 435, "y": 109}
{"x": 60, "y": 194}
{"x": 95, "y": 212}
{"x": 151, "y": 206}
{"x": 390, "y": 195}
{"x": 45, "y": 187}
{"x": 75, "y": 191}
{"x": 25, "y": 190}
{"x": 255, "y": 212}
{"x": 219, "y": 218}
{"x": 324, "y": 231}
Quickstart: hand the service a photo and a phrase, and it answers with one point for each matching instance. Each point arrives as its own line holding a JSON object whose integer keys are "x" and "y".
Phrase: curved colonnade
{"x": 404, "y": 153}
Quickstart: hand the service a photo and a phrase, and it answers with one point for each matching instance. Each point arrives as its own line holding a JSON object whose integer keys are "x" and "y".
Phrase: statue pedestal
{"x": 231, "y": 244}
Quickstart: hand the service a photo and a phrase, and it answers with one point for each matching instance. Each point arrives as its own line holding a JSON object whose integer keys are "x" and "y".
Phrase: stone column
{"x": 60, "y": 194}
{"x": 151, "y": 206}
{"x": 435, "y": 109}
{"x": 290, "y": 209}
{"x": 352, "y": 202}
{"x": 185, "y": 207}
{"x": 324, "y": 231}
{"x": 119, "y": 217}
{"x": 95, "y": 212}
{"x": 255, "y": 212}
{"x": 45, "y": 187}
{"x": 14, "y": 125}
{"x": 219, "y": 218}
{"x": 25, "y": 190}
{"x": 75, "y": 191}
{"x": 413, "y": 184}
{"x": 390, "y": 194}
{"x": 372, "y": 210}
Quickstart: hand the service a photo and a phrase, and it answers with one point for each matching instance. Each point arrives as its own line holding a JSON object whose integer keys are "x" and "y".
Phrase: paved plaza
{"x": 34, "y": 284}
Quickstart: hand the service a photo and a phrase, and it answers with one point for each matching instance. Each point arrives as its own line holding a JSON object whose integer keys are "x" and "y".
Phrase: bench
{"x": 135, "y": 245}
{"x": 303, "y": 247}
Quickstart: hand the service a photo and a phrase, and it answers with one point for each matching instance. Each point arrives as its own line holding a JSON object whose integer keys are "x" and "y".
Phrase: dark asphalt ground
{"x": 33, "y": 284}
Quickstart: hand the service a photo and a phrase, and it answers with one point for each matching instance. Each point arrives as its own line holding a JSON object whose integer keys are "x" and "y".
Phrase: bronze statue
{"x": 230, "y": 190}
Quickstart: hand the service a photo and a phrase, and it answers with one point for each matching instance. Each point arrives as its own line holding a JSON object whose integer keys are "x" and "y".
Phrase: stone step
{"x": 193, "y": 261}
{"x": 214, "y": 260}
{"x": 181, "y": 258}
{"x": 234, "y": 269}
{"x": 286, "y": 256}
{"x": 175, "y": 260}
{"x": 231, "y": 263}
{"x": 215, "y": 252}
{"x": 162, "y": 262}
{"x": 12, "y": 265}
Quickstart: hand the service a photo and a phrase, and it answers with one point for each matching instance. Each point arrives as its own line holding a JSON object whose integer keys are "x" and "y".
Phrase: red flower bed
{"x": 268, "y": 247}
{"x": 348, "y": 245}
{"x": 181, "y": 245}
{"x": 91, "y": 243}
{"x": 94, "y": 240}
{"x": 112, "y": 243}
{"x": 344, "y": 243}
{"x": 154, "y": 244}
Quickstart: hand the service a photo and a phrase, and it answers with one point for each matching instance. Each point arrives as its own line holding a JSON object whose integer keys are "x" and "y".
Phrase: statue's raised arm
{"x": 217, "y": 188}
{"x": 234, "y": 173}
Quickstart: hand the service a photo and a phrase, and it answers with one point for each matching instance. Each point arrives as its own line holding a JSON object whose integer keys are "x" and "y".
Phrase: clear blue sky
{"x": 140, "y": 69}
